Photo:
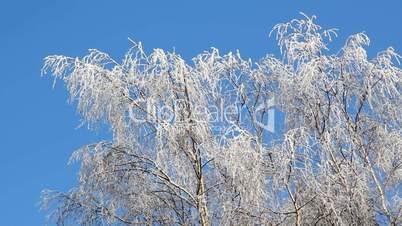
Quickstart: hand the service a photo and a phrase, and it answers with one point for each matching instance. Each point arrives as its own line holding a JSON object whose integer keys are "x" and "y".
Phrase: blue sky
{"x": 39, "y": 129}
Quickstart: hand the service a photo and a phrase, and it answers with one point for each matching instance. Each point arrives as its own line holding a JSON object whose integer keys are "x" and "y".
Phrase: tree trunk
{"x": 202, "y": 203}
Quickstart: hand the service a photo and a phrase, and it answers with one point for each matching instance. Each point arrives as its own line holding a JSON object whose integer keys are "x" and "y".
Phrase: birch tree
{"x": 190, "y": 147}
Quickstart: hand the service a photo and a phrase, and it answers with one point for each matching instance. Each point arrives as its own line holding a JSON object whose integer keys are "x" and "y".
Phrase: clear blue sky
{"x": 38, "y": 128}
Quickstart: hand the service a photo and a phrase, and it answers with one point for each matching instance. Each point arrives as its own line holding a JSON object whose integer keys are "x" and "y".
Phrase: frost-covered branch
{"x": 191, "y": 147}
